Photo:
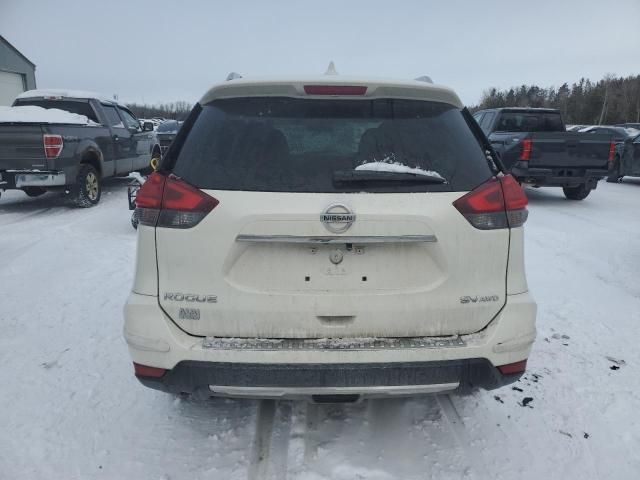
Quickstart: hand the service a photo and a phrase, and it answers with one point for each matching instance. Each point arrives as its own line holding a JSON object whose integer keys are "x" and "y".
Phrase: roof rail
{"x": 424, "y": 78}
{"x": 233, "y": 76}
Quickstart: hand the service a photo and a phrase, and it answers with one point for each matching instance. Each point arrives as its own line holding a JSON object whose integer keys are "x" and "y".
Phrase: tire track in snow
{"x": 259, "y": 462}
{"x": 460, "y": 433}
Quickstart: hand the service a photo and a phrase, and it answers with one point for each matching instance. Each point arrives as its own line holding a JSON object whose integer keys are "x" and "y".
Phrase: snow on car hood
{"x": 33, "y": 114}
{"x": 396, "y": 167}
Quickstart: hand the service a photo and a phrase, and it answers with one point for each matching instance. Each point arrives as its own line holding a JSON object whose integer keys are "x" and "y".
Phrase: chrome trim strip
{"x": 306, "y": 344}
{"x": 297, "y": 392}
{"x": 334, "y": 239}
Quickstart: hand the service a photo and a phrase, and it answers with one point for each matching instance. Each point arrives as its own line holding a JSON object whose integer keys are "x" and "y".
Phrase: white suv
{"x": 329, "y": 237}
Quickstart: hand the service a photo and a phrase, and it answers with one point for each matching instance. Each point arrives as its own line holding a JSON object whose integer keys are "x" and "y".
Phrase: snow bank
{"x": 388, "y": 166}
{"x": 32, "y": 114}
{"x": 65, "y": 93}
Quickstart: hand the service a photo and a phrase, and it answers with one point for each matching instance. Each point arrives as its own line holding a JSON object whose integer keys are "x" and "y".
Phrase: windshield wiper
{"x": 364, "y": 176}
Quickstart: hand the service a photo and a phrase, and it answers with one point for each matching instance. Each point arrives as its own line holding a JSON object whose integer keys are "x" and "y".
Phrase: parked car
{"x": 71, "y": 141}
{"x": 329, "y": 238}
{"x": 623, "y": 163}
{"x": 630, "y": 125}
{"x": 627, "y": 161}
{"x": 166, "y": 132}
{"x": 535, "y": 147}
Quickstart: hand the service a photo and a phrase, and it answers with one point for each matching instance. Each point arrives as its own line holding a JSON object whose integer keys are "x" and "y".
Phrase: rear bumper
{"x": 10, "y": 179}
{"x": 559, "y": 177}
{"x": 192, "y": 364}
{"x": 303, "y": 380}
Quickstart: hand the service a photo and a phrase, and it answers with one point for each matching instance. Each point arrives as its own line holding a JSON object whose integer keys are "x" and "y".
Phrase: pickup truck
{"x": 534, "y": 147}
{"x": 70, "y": 141}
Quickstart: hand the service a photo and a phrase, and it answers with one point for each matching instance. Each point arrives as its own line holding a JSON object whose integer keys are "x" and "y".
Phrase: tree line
{"x": 609, "y": 101}
{"x": 174, "y": 110}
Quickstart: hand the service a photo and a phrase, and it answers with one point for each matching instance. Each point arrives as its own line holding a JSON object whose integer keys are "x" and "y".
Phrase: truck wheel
{"x": 576, "y": 193}
{"x": 155, "y": 160}
{"x": 135, "y": 219}
{"x": 614, "y": 176}
{"x": 34, "y": 191}
{"x": 88, "y": 187}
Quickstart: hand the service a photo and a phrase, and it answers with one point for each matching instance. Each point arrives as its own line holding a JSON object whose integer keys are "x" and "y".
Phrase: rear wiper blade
{"x": 363, "y": 176}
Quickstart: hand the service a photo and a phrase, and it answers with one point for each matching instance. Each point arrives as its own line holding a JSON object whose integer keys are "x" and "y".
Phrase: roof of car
{"x": 294, "y": 87}
{"x": 521, "y": 109}
{"x": 81, "y": 94}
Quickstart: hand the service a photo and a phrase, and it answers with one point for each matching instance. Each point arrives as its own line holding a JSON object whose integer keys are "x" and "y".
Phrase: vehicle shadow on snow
{"x": 14, "y": 201}
{"x": 416, "y": 431}
{"x": 545, "y": 195}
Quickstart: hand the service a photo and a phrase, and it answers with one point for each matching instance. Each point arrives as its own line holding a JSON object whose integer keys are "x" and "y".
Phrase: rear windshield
{"x": 170, "y": 126}
{"x": 298, "y": 145}
{"x": 529, "y": 122}
{"x": 78, "y": 107}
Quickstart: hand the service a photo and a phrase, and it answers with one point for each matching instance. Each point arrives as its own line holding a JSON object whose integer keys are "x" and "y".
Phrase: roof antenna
{"x": 424, "y": 78}
{"x": 331, "y": 69}
{"x": 233, "y": 76}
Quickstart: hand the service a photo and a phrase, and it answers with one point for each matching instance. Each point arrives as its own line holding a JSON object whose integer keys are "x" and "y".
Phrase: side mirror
{"x": 147, "y": 127}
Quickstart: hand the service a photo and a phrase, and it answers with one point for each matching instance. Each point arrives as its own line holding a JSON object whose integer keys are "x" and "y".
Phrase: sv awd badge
{"x": 477, "y": 299}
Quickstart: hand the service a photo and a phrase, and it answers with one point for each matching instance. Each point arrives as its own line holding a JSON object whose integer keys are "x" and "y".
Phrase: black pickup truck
{"x": 535, "y": 147}
{"x": 70, "y": 141}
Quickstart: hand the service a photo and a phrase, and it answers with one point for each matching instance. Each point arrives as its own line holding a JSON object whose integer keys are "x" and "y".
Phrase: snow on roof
{"x": 65, "y": 94}
{"x": 32, "y": 114}
{"x": 294, "y": 87}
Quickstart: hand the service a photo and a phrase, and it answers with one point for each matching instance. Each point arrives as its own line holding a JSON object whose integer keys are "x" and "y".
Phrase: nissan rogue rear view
{"x": 329, "y": 238}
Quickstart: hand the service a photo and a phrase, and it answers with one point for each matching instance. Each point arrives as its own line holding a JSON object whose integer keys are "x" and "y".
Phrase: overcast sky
{"x": 174, "y": 50}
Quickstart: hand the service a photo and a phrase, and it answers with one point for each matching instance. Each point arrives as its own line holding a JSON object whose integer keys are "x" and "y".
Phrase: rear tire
{"x": 88, "y": 187}
{"x": 155, "y": 156}
{"x": 34, "y": 191}
{"x": 134, "y": 219}
{"x": 576, "y": 193}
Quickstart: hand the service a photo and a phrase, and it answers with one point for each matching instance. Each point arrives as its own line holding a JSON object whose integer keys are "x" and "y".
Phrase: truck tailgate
{"x": 21, "y": 147}
{"x": 568, "y": 149}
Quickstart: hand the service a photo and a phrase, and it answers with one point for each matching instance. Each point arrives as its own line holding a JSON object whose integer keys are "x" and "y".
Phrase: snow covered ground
{"x": 70, "y": 407}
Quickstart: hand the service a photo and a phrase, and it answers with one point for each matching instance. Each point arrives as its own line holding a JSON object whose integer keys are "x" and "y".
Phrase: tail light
{"x": 511, "y": 368}
{"x": 497, "y": 203}
{"x": 527, "y": 146}
{"x": 168, "y": 201}
{"x": 53, "y": 145}
{"x": 612, "y": 151}
{"x": 146, "y": 371}
{"x": 335, "y": 89}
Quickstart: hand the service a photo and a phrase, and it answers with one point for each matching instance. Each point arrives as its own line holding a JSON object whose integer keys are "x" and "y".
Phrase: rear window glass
{"x": 298, "y": 145}
{"x": 529, "y": 122}
{"x": 77, "y": 107}
{"x": 170, "y": 126}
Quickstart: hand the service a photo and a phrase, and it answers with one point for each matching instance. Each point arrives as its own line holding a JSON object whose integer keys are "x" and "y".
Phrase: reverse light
{"x": 53, "y": 145}
{"x": 146, "y": 371}
{"x": 335, "y": 89}
{"x": 170, "y": 202}
{"x": 527, "y": 146}
{"x": 498, "y": 203}
{"x": 511, "y": 368}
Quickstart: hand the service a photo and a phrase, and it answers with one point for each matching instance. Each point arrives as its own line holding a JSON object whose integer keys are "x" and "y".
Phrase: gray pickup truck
{"x": 43, "y": 149}
{"x": 535, "y": 147}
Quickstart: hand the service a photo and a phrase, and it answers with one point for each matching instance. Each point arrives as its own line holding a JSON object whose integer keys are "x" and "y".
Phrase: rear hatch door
{"x": 293, "y": 250}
